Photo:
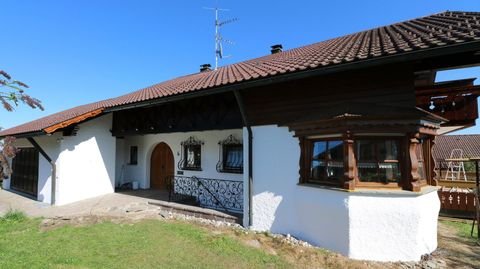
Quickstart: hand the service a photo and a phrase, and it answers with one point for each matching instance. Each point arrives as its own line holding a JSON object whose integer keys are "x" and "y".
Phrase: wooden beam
{"x": 77, "y": 119}
{"x": 457, "y": 184}
{"x": 439, "y": 91}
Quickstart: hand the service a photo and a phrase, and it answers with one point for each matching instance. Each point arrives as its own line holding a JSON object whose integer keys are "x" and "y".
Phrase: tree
{"x": 12, "y": 93}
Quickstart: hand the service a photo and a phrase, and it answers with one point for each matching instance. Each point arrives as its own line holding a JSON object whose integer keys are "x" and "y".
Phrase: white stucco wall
{"x": 86, "y": 163}
{"x": 147, "y": 143}
{"x": 384, "y": 227}
{"x": 51, "y": 147}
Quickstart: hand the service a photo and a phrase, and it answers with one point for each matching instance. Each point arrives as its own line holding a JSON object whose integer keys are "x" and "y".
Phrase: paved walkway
{"x": 142, "y": 203}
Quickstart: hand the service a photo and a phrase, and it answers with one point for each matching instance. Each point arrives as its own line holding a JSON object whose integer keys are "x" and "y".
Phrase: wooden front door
{"x": 161, "y": 166}
{"x": 25, "y": 172}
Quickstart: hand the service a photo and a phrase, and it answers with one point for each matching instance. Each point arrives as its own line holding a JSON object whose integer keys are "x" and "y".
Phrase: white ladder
{"x": 455, "y": 168}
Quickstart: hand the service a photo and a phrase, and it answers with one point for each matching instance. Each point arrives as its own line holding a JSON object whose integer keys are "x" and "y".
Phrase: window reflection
{"x": 378, "y": 160}
{"x": 327, "y": 161}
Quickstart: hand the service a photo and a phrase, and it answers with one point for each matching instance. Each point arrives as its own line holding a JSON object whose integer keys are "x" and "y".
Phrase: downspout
{"x": 52, "y": 163}
{"x": 241, "y": 106}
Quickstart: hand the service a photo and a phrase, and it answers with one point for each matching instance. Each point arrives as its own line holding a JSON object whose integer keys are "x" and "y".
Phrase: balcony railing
{"x": 460, "y": 191}
{"x": 226, "y": 195}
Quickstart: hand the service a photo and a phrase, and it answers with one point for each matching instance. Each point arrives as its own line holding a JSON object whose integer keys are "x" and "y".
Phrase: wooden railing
{"x": 457, "y": 201}
{"x": 457, "y": 197}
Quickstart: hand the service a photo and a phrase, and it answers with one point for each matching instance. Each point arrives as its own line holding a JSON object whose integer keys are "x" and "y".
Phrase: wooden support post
{"x": 350, "y": 166}
{"x": 413, "y": 183}
{"x": 434, "y": 176}
{"x": 302, "y": 172}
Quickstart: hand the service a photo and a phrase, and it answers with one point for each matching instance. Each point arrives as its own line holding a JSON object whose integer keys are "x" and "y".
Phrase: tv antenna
{"x": 219, "y": 40}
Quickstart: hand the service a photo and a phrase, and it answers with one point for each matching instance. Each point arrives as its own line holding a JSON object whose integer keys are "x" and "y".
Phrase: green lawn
{"x": 147, "y": 244}
{"x": 463, "y": 229}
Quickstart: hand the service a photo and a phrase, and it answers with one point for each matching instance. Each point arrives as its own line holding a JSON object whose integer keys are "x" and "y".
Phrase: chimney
{"x": 205, "y": 67}
{"x": 276, "y": 48}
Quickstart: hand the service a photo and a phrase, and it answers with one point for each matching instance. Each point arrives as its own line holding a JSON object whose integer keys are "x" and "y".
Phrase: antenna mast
{"x": 218, "y": 37}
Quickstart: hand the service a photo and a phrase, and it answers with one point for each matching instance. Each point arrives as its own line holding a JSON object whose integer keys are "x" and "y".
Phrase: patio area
{"x": 132, "y": 203}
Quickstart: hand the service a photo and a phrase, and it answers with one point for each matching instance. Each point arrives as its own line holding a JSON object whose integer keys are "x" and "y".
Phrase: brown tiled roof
{"x": 435, "y": 31}
{"x": 444, "y": 144}
{"x": 48, "y": 121}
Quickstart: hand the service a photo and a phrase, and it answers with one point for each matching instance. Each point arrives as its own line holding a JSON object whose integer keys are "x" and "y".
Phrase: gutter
{"x": 295, "y": 75}
{"x": 241, "y": 106}
{"x": 52, "y": 163}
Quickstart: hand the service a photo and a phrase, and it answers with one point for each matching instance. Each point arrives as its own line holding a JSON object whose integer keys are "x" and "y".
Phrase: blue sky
{"x": 77, "y": 52}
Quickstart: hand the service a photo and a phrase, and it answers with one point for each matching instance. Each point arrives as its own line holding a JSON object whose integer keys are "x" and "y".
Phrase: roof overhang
{"x": 53, "y": 128}
{"x": 75, "y": 120}
{"x": 365, "y": 117}
{"x": 470, "y": 56}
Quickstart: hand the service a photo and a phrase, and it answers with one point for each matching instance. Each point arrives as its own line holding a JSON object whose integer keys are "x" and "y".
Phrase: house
{"x": 444, "y": 144}
{"x": 329, "y": 142}
{"x": 456, "y": 146}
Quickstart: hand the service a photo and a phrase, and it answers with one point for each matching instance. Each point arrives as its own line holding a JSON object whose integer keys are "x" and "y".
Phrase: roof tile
{"x": 444, "y": 144}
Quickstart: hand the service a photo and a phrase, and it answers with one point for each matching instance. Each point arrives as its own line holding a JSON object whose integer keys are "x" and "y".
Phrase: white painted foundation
{"x": 388, "y": 226}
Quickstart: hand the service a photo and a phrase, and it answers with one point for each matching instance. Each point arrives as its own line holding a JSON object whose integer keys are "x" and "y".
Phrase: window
{"x": 233, "y": 158}
{"x": 325, "y": 162}
{"x": 351, "y": 161}
{"x": 133, "y": 155}
{"x": 378, "y": 160}
{"x": 230, "y": 155}
{"x": 191, "y": 154}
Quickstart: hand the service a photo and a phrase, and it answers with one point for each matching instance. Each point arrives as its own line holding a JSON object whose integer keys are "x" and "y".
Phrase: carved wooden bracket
{"x": 414, "y": 177}
{"x": 350, "y": 165}
{"x": 434, "y": 172}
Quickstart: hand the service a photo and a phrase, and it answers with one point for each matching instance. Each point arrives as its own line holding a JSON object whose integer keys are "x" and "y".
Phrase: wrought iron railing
{"x": 220, "y": 194}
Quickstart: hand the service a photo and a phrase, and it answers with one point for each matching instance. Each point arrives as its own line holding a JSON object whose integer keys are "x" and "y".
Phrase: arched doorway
{"x": 161, "y": 166}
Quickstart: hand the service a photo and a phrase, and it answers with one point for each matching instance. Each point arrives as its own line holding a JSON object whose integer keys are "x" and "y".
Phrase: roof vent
{"x": 276, "y": 48}
{"x": 205, "y": 67}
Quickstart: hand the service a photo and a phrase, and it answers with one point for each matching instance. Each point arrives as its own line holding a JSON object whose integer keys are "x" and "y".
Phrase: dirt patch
{"x": 299, "y": 254}
{"x": 457, "y": 251}
{"x": 57, "y": 222}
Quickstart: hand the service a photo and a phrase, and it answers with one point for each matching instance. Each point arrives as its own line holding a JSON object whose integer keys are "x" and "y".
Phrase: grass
{"x": 463, "y": 229}
{"x": 27, "y": 243}
{"x": 12, "y": 217}
{"x": 147, "y": 244}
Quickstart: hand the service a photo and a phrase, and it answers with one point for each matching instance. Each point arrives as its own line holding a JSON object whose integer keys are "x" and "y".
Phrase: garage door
{"x": 25, "y": 172}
